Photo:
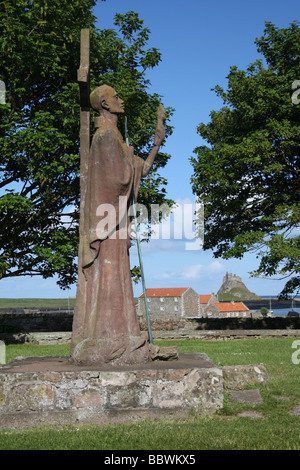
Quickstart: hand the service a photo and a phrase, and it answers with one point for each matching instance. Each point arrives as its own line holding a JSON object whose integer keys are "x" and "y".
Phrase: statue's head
{"x": 104, "y": 97}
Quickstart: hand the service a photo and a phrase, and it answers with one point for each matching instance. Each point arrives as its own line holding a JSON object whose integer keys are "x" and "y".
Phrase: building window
{"x": 162, "y": 309}
{"x": 175, "y": 299}
{"x": 148, "y": 300}
{"x": 176, "y": 308}
{"x": 162, "y": 299}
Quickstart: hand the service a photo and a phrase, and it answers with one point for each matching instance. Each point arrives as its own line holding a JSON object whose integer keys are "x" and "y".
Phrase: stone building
{"x": 210, "y": 307}
{"x": 207, "y": 305}
{"x": 170, "y": 303}
{"x": 232, "y": 309}
{"x": 176, "y": 303}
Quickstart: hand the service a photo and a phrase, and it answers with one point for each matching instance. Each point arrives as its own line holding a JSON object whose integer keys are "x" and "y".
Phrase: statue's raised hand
{"x": 160, "y": 130}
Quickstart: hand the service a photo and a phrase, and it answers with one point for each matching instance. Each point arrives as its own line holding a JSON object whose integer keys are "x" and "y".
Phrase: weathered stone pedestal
{"x": 50, "y": 390}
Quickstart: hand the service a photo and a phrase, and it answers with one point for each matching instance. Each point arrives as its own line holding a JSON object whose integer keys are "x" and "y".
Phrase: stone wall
{"x": 246, "y": 323}
{"x": 16, "y": 324}
{"x": 50, "y": 391}
{"x": 161, "y": 307}
{"x": 17, "y": 320}
{"x": 191, "y": 305}
{"x": 205, "y": 324}
{"x": 170, "y": 307}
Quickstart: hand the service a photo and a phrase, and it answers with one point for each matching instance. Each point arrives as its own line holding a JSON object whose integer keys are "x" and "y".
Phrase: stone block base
{"x": 42, "y": 391}
{"x": 239, "y": 377}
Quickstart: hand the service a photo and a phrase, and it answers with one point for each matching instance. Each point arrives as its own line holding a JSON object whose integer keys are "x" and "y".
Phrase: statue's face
{"x": 113, "y": 102}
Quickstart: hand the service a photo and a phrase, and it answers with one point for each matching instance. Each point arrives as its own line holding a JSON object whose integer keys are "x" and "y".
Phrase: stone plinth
{"x": 48, "y": 390}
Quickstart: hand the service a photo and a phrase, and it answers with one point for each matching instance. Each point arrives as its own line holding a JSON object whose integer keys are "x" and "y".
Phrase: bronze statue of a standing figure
{"x": 105, "y": 324}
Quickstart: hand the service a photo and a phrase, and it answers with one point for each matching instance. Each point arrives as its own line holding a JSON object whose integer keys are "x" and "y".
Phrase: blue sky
{"x": 199, "y": 41}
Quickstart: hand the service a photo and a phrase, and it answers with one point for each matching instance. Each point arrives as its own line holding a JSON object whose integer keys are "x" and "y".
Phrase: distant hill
{"x": 233, "y": 288}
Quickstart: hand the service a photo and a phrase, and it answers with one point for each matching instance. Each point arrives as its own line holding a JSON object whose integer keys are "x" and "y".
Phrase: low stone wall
{"x": 55, "y": 326}
{"x": 16, "y": 325}
{"x": 224, "y": 335}
{"x": 63, "y": 337}
{"x": 40, "y": 391}
{"x": 47, "y": 320}
{"x": 204, "y": 324}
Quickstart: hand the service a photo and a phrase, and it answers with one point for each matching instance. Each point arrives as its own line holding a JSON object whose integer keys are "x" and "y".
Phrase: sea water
{"x": 282, "y": 312}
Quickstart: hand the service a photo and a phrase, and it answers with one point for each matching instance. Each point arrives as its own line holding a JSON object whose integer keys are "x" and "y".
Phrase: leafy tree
{"x": 39, "y": 127}
{"x": 248, "y": 174}
{"x": 264, "y": 311}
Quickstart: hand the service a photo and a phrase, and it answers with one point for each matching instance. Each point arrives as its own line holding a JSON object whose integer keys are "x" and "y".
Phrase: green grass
{"x": 37, "y": 303}
{"x": 28, "y": 349}
{"x": 278, "y": 430}
{"x": 195, "y": 434}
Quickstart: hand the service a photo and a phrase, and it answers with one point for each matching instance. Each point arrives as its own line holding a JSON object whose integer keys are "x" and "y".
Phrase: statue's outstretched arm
{"x": 159, "y": 137}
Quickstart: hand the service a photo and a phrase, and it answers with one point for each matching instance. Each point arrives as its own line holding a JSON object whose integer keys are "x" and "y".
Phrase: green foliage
{"x": 39, "y": 127}
{"x": 248, "y": 175}
{"x": 264, "y": 311}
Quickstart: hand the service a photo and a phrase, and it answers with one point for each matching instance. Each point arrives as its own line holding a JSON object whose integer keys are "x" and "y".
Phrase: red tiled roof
{"x": 165, "y": 292}
{"x": 204, "y": 299}
{"x": 231, "y": 307}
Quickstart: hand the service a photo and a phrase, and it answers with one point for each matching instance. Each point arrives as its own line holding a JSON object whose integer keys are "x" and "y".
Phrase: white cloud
{"x": 194, "y": 272}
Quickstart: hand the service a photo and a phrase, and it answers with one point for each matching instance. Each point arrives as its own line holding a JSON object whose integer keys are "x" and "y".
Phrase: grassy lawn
{"x": 37, "y": 303}
{"x": 277, "y": 430}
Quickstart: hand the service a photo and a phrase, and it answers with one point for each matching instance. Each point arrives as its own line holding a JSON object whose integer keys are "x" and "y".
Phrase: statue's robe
{"x": 105, "y": 324}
